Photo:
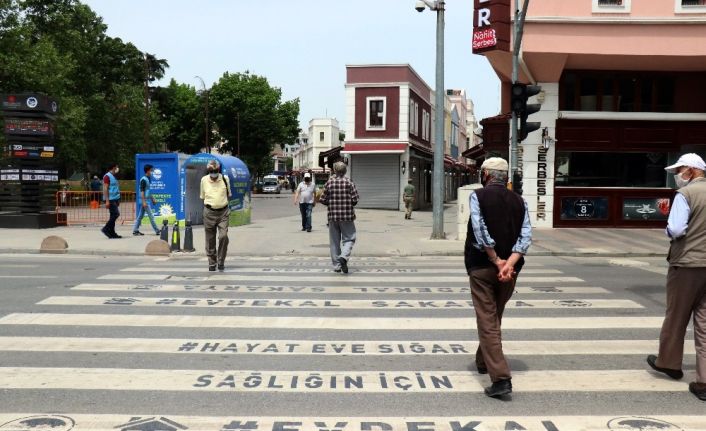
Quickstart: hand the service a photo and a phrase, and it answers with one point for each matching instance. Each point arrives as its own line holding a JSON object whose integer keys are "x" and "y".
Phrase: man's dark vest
{"x": 503, "y": 212}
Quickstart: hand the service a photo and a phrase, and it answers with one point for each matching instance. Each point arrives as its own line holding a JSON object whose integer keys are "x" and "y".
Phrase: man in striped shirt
{"x": 340, "y": 196}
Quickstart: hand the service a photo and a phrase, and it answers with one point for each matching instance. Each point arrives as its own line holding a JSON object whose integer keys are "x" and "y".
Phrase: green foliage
{"x": 183, "y": 110}
{"x": 102, "y": 84}
{"x": 248, "y": 101}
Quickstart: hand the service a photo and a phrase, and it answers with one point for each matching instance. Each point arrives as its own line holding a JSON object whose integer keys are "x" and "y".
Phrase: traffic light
{"x": 518, "y": 102}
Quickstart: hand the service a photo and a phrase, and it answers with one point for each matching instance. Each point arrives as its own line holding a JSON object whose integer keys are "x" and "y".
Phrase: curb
{"x": 459, "y": 253}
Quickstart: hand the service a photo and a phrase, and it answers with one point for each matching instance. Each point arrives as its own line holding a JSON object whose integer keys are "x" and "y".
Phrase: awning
{"x": 474, "y": 152}
{"x": 327, "y": 158}
{"x": 374, "y": 148}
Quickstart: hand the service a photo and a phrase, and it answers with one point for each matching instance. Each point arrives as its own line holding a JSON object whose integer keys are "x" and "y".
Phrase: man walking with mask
{"x": 686, "y": 277}
{"x": 111, "y": 196}
{"x": 215, "y": 193}
{"x": 499, "y": 235}
{"x": 304, "y": 196}
{"x": 145, "y": 198}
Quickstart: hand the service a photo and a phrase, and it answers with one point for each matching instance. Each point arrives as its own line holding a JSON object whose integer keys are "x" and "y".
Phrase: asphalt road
{"x": 102, "y": 341}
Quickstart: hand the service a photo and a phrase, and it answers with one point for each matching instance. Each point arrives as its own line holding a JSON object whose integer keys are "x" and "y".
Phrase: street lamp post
{"x": 438, "y": 176}
{"x": 207, "y": 147}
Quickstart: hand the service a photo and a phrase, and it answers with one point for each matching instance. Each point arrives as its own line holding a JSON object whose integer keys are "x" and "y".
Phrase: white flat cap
{"x": 494, "y": 164}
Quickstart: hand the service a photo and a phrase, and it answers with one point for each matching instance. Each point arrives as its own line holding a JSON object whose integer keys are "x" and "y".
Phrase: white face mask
{"x": 117, "y": 170}
{"x": 680, "y": 182}
{"x": 214, "y": 175}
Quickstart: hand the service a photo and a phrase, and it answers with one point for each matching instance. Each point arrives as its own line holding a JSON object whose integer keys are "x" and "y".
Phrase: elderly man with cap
{"x": 340, "y": 196}
{"x": 499, "y": 235}
{"x": 215, "y": 193}
{"x": 686, "y": 277}
{"x": 304, "y": 196}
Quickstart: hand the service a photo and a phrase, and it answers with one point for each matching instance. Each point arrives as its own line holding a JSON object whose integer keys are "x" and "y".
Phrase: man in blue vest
{"x": 111, "y": 196}
{"x": 499, "y": 234}
{"x": 144, "y": 198}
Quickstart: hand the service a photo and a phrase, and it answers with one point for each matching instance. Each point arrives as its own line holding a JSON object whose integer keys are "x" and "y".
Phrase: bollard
{"x": 176, "y": 238}
{"x": 164, "y": 233}
{"x": 189, "y": 238}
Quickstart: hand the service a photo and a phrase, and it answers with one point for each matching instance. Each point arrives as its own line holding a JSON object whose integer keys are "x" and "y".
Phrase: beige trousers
{"x": 216, "y": 222}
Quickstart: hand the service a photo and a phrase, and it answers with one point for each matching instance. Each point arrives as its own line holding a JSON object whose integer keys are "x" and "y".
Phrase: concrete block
{"x": 54, "y": 244}
{"x": 157, "y": 247}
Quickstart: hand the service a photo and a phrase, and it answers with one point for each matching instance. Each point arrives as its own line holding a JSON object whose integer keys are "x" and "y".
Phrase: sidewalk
{"x": 379, "y": 233}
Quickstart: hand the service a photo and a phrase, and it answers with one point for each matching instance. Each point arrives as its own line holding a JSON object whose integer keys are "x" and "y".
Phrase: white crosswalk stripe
{"x": 410, "y": 309}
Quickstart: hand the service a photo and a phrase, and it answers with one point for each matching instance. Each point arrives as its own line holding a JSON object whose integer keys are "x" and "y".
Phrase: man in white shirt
{"x": 305, "y": 197}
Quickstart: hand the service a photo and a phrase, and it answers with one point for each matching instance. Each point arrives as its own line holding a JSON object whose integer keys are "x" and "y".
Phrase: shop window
{"x": 609, "y": 169}
{"x": 375, "y": 113}
{"x": 617, "y": 91}
{"x": 690, "y": 6}
{"x": 611, "y": 6}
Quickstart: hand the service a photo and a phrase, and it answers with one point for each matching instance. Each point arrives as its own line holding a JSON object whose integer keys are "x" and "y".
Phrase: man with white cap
{"x": 304, "y": 196}
{"x": 499, "y": 235}
{"x": 686, "y": 277}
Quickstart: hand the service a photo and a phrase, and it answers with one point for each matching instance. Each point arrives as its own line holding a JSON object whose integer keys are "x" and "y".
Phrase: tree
{"x": 181, "y": 108}
{"x": 264, "y": 120}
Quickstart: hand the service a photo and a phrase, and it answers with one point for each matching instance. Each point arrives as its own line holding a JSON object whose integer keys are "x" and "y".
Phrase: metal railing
{"x": 74, "y": 208}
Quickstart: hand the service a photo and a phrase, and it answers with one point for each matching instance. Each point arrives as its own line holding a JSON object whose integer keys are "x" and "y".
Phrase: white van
{"x": 270, "y": 184}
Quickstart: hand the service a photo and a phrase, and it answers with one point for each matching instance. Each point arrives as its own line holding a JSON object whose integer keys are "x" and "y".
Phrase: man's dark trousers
{"x": 489, "y": 298}
{"x": 305, "y": 209}
{"x": 114, "y": 211}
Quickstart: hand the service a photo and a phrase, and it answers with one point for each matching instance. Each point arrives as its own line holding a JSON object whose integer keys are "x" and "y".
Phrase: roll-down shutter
{"x": 377, "y": 178}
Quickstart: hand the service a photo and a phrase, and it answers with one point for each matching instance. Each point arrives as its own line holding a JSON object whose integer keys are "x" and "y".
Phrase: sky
{"x": 303, "y": 46}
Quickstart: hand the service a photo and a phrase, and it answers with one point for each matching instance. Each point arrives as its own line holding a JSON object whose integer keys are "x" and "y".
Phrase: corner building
{"x": 623, "y": 95}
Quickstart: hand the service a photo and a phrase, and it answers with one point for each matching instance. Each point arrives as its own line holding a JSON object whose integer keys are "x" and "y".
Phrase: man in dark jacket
{"x": 499, "y": 234}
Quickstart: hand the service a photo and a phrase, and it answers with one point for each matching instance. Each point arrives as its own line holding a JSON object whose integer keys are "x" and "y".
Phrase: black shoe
{"x": 116, "y": 236}
{"x": 138, "y": 233}
{"x": 499, "y": 388}
{"x": 308, "y": 230}
{"x": 698, "y": 389}
{"x": 303, "y": 229}
{"x": 344, "y": 265}
{"x": 675, "y": 374}
{"x": 106, "y": 233}
{"x": 212, "y": 267}
{"x": 337, "y": 270}
{"x": 482, "y": 370}
{"x": 221, "y": 267}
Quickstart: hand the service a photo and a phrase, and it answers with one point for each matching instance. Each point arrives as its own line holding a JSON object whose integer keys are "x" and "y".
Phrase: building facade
{"x": 323, "y": 135}
{"x": 389, "y": 136}
{"x": 623, "y": 94}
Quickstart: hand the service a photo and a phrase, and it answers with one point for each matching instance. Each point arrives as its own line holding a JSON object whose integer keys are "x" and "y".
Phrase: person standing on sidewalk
{"x": 340, "y": 196}
{"x": 111, "y": 196}
{"x": 686, "y": 277}
{"x": 143, "y": 204}
{"x": 499, "y": 235}
{"x": 408, "y": 198}
{"x": 215, "y": 193}
{"x": 305, "y": 197}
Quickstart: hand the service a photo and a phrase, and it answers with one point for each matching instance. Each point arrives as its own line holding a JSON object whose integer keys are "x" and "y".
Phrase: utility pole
{"x": 438, "y": 171}
{"x": 146, "y": 131}
{"x": 517, "y": 44}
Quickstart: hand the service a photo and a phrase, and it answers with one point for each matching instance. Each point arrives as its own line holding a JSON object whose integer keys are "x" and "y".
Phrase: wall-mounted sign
{"x": 584, "y": 208}
{"x": 646, "y": 208}
{"x": 29, "y": 102}
{"x": 28, "y": 126}
{"x": 491, "y": 26}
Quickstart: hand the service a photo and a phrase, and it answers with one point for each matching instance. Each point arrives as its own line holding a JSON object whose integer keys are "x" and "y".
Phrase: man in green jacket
{"x": 408, "y": 197}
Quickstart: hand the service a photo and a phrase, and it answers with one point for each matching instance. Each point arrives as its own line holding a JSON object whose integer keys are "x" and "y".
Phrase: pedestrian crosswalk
{"x": 286, "y": 344}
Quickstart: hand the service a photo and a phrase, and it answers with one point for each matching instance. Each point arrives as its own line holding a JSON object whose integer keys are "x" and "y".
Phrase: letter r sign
{"x": 483, "y": 17}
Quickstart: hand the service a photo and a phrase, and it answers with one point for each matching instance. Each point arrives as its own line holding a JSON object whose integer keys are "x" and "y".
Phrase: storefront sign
{"x": 584, "y": 208}
{"x": 646, "y": 208}
{"x": 541, "y": 182}
{"x": 491, "y": 26}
